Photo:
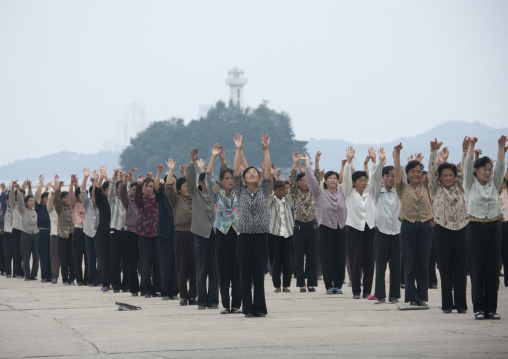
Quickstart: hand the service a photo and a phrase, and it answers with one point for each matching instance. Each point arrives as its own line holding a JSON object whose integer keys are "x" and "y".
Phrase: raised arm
{"x": 347, "y": 182}
{"x": 86, "y": 174}
{"x": 216, "y": 151}
{"x": 157, "y": 180}
{"x": 170, "y": 183}
{"x": 20, "y": 203}
{"x": 191, "y": 173}
{"x": 468, "y": 164}
{"x": 38, "y": 194}
{"x": 499, "y": 169}
{"x": 376, "y": 177}
{"x": 396, "y": 163}
{"x": 317, "y": 159}
{"x": 201, "y": 165}
{"x": 238, "y": 154}
{"x": 312, "y": 182}
{"x": 265, "y": 142}
{"x": 433, "y": 176}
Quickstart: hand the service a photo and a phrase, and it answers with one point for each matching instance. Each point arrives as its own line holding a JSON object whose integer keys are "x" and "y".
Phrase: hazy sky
{"x": 368, "y": 71}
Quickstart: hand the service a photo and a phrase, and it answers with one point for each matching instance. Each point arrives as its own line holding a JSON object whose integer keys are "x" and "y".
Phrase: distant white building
{"x": 134, "y": 122}
{"x": 236, "y": 82}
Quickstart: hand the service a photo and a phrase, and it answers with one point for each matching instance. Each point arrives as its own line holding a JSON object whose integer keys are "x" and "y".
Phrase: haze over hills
{"x": 451, "y": 133}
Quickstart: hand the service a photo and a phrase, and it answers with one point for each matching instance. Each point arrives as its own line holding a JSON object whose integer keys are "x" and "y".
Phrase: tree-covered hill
{"x": 173, "y": 139}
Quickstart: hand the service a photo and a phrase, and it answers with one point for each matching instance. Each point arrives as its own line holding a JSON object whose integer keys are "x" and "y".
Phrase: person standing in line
{"x": 54, "y": 258}
{"x": 253, "y": 225}
{"x": 482, "y": 236}
{"x": 226, "y": 231}
{"x": 78, "y": 236}
{"x": 89, "y": 229}
{"x": 7, "y": 233}
{"x": 503, "y": 202}
{"x": 44, "y": 225}
{"x": 16, "y": 228}
{"x": 101, "y": 201}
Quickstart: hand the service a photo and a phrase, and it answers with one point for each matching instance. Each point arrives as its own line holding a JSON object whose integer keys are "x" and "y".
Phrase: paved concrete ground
{"x": 45, "y": 320}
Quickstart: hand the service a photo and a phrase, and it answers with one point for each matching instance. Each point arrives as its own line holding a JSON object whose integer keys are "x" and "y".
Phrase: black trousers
{"x": 504, "y": 250}
{"x": 305, "y": 238}
{"x": 387, "y": 250}
{"x": 79, "y": 254}
{"x": 98, "y": 259}
{"x": 185, "y": 263}
{"x": 166, "y": 257}
{"x": 332, "y": 246}
{"x": 279, "y": 250}
{"x": 119, "y": 261}
{"x": 252, "y": 257}
{"x": 451, "y": 256}
{"x": 16, "y": 253}
{"x": 66, "y": 259}
{"x": 360, "y": 248}
{"x": 131, "y": 240}
{"x": 204, "y": 249}
{"x": 484, "y": 251}
{"x": 29, "y": 249}
{"x": 8, "y": 254}
{"x": 150, "y": 274}
{"x": 228, "y": 270}
{"x": 43, "y": 242}
{"x": 433, "y": 261}
{"x": 105, "y": 258}
{"x": 2, "y": 254}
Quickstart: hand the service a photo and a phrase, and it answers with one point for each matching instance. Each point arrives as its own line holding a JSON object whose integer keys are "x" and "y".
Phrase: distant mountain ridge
{"x": 451, "y": 133}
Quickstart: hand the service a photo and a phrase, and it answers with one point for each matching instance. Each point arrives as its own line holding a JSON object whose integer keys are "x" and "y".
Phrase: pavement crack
{"x": 79, "y": 335}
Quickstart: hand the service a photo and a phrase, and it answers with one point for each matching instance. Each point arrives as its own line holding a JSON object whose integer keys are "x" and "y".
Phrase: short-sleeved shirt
{"x": 252, "y": 207}
{"x": 415, "y": 203}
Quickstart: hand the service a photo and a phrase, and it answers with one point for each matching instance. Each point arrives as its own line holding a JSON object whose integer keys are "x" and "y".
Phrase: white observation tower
{"x": 236, "y": 81}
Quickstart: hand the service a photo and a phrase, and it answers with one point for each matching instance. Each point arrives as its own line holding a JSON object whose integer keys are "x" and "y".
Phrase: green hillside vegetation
{"x": 173, "y": 139}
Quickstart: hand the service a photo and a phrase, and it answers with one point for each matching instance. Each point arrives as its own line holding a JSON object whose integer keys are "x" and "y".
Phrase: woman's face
{"x": 30, "y": 203}
{"x": 331, "y": 182}
{"x": 484, "y": 173}
{"x": 447, "y": 178}
{"x": 361, "y": 184}
{"x": 302, "y": 184}
{"x": 389, "y": 179}
{"x": 252, "y": 176}
{"x": 227, "y": 181}
{"x": 414, "y": 175}
{"x": 183, "y": 190}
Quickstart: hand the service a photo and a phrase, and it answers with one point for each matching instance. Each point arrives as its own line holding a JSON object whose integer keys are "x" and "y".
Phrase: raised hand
{"x": 239, "y": 141}
{"x": 502, "y": 140}
{"x": 273, "y": 169}
{"x": 149, "y": 174}
{"x": 60, "y": 184}
{"x": 103, "y": 170}
{"x": 473, "y": 140}
{"x": 372, "y": 154}
{"x": 41, "y": 179}
{"x": 222, "y": 154}
{"x": 435, "y": 145}
{"x": 86, "y": 172}
{"x": 73, "y": 178}
{"x": 265, "y": 141}
{"x": 140, "y": 179}
{"x": 296, "y": 156}
{"x": 193, "y": 156}
{"x": 95, "y": 175}
{"x": 344, "y": 162}
{"x": 318, "y": 156}
{"x": 49, "y": 185}
{"x": 171, "y": 164}
{"x": 465, "y": 143}
{"x": 350, "y": 153}
{"x": 419, "y": 157}
{"x": 216, "y": 150}
{"x": 279, "y": 173}
{"x": 183, "y": 168}
{"x": 160, "y": 167}
{"x": 442, "y": 156}
{"x": 201, "y": 164}
{"x": 56, "y": 179}
{"x": 302, "y": 166}
{"x": 367, "y": 159}
{"x": 304, "y": 158}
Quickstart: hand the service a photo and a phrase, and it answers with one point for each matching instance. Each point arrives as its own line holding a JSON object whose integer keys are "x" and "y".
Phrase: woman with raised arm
{"x": 416, "y": 230}
{"x": 503, "y": 202}
{"x": 185, "y": 260}
{"x": 482, "y": 188}
{"x": 450, "y": 218}
{"x": 359, "y": 225}
{"x": 44, "y": 225}
{"x": 89, "y": 228}
{"x": 226, "y": 231}
{"x": 331, "y": 215}
{"x": 78, "y": 236}
{"x": 305, "y": 235}
{"x": 253, "y": 223}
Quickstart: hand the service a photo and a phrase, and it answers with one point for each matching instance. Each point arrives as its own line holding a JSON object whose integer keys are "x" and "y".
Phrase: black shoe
{"x": 260, "y": 315}
{"x": 183, "y": 301}
{"x": 249, "y": 315}
{"x": 116, "y": 290}
{"x": 461, "y": 311}
{"x": 201, "y": 307}
{"x": 433, "y": 286}
{"x": 225, "y": 311}
{"x": 311, "y": 288}
{"x": 494, "y": 316}
{"x": 135, "y": 294}
{"x": 422, "y": 303}
{"x": 414, "y": 303}
{"x": 479, "y": 315}
{"x": 403, "y": 286}
{"x": 356, "y": 296}
{"x": 213, "y": 306}
{"x": 303, "y": 290}
{"x": 235, "y": 310}
{"x": 80, "y": 284}
{"x": 193, "y": 302}
{"x": 447, "y": 311}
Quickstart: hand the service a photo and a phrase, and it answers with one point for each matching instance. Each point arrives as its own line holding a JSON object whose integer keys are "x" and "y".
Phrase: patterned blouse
{"x": 226, "y": 208}
{"x": 415, "y": 203}
{"x": 148, "y": 213}
{"x": 252, "y": 208}
{"x": 305, "y": 204}
{"x": 449, "y": 205}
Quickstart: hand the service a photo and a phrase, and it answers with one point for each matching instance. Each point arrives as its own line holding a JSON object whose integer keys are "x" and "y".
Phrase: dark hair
{"x": 286, "y": 181}
{"x": 179, "y": 183}
{"x": 447, "y": 166}
{"x": 105, "y": 185}
{"x": 201, "y": 178}
{"x": 223, "y": 173}
{"x": 387, "y": 170}
{"x": 22, "y": 191}
{"x": 27, "y": 198}
{"x": 247, "y": 170}
{"x": 279, "y": 184}
{"x": 147, "y": 180}
{"x": 63, "y": 194}
{"x": 118, "y": 183}
{"x": 90, "y": 189}
{"x": 133, "y": 184}
{"x": 412, "y": 164}
{"x": 299, "y": 176}
{"x": 44, "y": 195}
{"x": 481, "y": 162}
{"x": 358, "y": 174}
{"x": 328, "y": 174}
{"x": 77, "y": 192}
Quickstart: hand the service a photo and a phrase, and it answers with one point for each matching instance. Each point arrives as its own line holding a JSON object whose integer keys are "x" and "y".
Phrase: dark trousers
{"x": 252, "y": 257}
{"x": 484, "y": 247}
{"x": 98, "y": 257}
{"x": 204, "y": 249}
{"x": 79, "y": 254}
{"x": 29, "y": 249}
{"x": 228, "y": 270}
{"x": 2, "y": 254}
{"x": 105, "y": 258}
{"x": 131, "y": 240}
{"x": 66, "y": 259}
{"x": 360, "y": 248}
{"x": 305, "y": 240}
{"x": 416, "y": 240}
{"x": 119, "y": 261}
{"x": 279, "y": 250}
{"x": 504, "y": 250}
{"x": 43, "y": 241}
{"x": 150, "y": 274}
{"x": 91, "y": 259}
{"x": 166, "y": 258}
{"x": 433, "y": 261}
{"x": 451, "y": 256}
{"x": 185, "y": 263}
{"x": 387, "y": 250}
{"x": 8, "y": 255}
{"x": 54, "y": 257}
{"x": 332, "y": 246}
{"x": 16, "y": 252}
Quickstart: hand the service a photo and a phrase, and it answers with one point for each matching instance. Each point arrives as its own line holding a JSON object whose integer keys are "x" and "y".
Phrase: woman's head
{"x": 226, "y": 179}
{"x": 148, "y": 187}
{"x": 447, "y": 174}
{"x": 66, "y": 198}
{"x": 388, "y": 175}
{"x": 202, "y": 181}
{"x": 301, "y": 182}
{"x": 483, "y": 169}
{"x": 414, "y": 171}
{"x": 181, "y": 186}
{"x": 251, "y": 175}
{"x": 44, "y": 198}
{"x": 279, "y": 189}
{"x": 331, "y": 180}
{"x": 29, "y": 201}
{"x": 360, "y": 180}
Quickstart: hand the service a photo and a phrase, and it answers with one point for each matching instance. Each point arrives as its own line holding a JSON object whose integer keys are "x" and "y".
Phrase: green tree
{"x": 173, "y": 139}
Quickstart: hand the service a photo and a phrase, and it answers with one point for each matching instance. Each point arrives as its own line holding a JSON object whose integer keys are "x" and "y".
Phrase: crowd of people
{"x": 192, "y": 237}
